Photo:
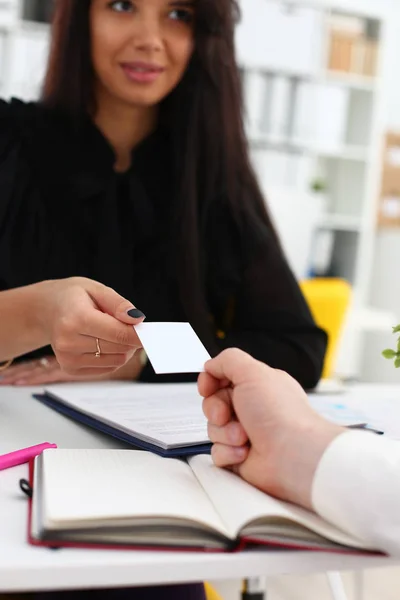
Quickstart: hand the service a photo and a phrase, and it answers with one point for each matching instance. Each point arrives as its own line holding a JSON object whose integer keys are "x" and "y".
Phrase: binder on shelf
{"x": 389, "y": 200}
{"x": 354, "y": 46}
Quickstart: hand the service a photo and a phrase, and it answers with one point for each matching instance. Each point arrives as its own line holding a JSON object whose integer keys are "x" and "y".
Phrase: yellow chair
{"x": 328, "y": 300}
{"x": 211, "y": 594}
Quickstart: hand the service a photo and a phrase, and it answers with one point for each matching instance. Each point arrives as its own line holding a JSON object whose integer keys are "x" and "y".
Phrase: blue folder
{"x": 76, "y": 415}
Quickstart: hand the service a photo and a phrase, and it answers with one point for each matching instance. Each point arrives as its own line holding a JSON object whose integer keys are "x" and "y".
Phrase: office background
{"x": 323, "y": 117}
{"x": 322, "y": 90}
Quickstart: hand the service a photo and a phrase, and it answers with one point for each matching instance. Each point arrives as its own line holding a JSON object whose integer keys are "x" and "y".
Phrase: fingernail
{"x": 135, "y": 313}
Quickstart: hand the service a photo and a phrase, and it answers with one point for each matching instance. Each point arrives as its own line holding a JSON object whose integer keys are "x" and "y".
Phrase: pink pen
{"x": 23, "y": 456}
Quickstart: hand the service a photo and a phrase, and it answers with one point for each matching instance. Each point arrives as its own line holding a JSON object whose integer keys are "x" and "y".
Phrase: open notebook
{"x": 137, "y": 499}
{"x": 166, "y": 419}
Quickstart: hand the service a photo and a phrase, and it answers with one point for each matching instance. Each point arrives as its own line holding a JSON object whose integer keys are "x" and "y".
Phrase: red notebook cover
{"x": 243, "y": 544}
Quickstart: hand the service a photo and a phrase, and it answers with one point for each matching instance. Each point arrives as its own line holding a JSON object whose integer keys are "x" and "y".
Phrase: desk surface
{"x": 23, "y": 422}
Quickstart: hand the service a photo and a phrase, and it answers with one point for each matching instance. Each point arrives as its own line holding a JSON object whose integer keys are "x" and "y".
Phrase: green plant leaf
{"x": 397, "y": 363}
{"x": 389, "y": 354}
{"x": 396, "y": 329}
{"x": 318, "y": 185}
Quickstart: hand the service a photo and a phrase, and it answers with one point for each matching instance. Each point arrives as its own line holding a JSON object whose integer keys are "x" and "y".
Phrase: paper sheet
{"x": 377, "y": 405}
{"x": 172, "y": 347}
{"x": 169, "y": 415}
{"x": 336, "y": 411}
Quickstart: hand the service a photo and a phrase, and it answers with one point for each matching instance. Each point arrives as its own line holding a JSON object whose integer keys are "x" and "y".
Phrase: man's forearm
{"x": 300, "y": 457}
{"x": 21, "y": 320}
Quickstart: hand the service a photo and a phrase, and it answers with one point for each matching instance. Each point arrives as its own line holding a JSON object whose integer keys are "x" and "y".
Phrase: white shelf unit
{"x": 308, "y": 147}
{"x": 23, "y": 47}
{"x": 307, "y": 122}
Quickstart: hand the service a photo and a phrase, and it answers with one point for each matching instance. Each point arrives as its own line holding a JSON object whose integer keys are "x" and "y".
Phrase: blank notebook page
{"x": 88, "y": 485}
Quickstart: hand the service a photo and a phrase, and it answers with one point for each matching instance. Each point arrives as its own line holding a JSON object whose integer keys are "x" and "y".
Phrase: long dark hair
{"x": 205, "y": 117}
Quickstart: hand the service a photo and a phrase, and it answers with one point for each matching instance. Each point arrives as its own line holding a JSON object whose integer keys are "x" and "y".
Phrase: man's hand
{"x": 262, "y": 426}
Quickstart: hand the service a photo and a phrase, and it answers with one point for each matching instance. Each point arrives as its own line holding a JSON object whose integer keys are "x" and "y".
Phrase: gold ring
{"x": 5, "y": 365}
{"x": 98, "y": 353}
{"x": 44, "y": 362}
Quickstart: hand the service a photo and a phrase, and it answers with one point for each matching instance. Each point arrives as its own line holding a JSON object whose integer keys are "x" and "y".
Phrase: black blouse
{"x": 65, "y": 212}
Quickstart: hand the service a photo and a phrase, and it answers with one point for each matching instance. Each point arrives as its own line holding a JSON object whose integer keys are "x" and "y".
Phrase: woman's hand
{"x": 47, "y": 370}
{"x": 88, "y": 325}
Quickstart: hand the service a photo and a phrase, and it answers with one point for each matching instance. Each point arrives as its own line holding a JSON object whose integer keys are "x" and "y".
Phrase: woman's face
{"x": 141, "y": 48}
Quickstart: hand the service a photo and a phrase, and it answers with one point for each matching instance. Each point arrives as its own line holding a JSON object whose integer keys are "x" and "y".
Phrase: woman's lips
{"x": 140, "y": 72}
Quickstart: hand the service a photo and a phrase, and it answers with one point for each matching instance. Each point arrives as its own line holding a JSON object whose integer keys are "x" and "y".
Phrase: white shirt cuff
{"x": 357, "y": 488}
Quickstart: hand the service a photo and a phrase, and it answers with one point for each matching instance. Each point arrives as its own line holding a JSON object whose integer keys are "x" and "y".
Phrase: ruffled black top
{"x": 65, "y": 212}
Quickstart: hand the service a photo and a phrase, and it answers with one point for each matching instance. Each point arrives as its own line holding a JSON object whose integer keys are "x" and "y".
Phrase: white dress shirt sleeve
{"x": 357, "y": 488}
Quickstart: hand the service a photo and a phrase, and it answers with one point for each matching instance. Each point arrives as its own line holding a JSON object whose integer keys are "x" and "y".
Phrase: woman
{"x": 133, "y": 170}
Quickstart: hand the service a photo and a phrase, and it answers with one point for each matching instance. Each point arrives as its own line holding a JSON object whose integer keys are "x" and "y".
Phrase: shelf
{"x": 350, "y": 80}
{"x": 341, "y": 223}
{"x": 373, "y": 319}
{"x": 345, "y": 153}
{"x": 343, "y": 6}
{"x": 25, "y": 26}
{"x": 308, "y": 148}
{"x": 336, "y": 78}
{"x": 34, "y": 26}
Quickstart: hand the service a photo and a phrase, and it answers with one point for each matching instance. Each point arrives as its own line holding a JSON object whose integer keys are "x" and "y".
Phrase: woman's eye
{"x": 181, "y": 14}
{"x": 121, "y": 6}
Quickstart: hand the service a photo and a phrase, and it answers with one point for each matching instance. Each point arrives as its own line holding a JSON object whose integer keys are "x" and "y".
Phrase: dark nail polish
{"x": 135, "y": 313}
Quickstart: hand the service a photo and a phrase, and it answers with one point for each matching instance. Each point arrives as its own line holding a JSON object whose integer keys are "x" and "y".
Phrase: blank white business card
{"x": 172, "y": 347}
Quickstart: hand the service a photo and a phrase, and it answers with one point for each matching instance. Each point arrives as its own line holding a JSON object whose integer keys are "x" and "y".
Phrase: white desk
{"x": 24, "y": 422}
